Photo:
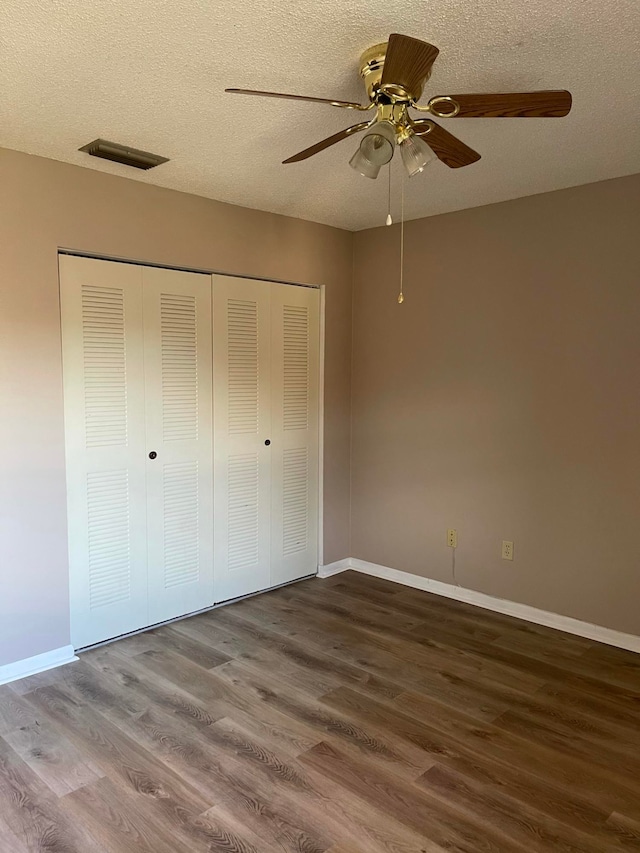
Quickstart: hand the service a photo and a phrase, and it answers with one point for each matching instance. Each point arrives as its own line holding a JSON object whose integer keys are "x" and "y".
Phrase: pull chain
{"x": 389, "y": 219}
{"x": 401, "y": 294}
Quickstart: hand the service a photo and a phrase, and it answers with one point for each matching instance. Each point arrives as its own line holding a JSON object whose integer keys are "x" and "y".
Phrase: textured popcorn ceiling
{"x": 151, "y": 74}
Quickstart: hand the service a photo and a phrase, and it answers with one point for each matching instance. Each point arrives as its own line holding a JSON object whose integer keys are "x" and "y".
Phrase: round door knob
{"x": 153, "y": 454}
{"x": 268, "y": 442}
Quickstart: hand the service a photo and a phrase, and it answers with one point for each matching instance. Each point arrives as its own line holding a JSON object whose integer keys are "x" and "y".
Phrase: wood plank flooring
{"x": 349, "y": 715}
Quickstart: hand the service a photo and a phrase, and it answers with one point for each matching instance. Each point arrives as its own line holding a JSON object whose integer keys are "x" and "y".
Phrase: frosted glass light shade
{"x": 375, "y": 150}
{"x": 378, "y": 144}
{"x": 416, "y": 154}
{"x": 360, "y": 163}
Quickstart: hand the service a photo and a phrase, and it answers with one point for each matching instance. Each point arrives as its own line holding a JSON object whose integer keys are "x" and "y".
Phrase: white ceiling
{"x": 151, "y": 74}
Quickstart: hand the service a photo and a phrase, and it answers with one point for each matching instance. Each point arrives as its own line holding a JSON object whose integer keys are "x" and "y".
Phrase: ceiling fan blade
{"x": 347, "y": 105}
{"x": 326, "y": 143}
{"x": 447, "y": 147}
{"x": 407, "y": 64}
{"x": 550, "y": 104}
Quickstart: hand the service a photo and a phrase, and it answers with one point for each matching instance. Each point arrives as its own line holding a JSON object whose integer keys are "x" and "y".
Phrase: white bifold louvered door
{"x": 294, "y": 432}
{"x": 137, "y": 381}
{"x": 105, "y": 444}
{"x": 266, "y": 345}
{"x": 176, "y": 307}
{"x": 242, "y": 424}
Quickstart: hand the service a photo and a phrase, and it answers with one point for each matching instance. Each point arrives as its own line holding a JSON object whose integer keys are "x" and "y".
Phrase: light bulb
{"x": 416, "y": 154}
{"x": 389, "y": 219}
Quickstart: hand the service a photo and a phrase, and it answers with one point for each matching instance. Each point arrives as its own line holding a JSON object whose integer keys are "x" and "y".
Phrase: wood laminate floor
{"x": 344, "y": 715}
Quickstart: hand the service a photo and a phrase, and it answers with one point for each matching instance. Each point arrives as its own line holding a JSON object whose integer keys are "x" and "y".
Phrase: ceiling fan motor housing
{"x": 371, "y": 64}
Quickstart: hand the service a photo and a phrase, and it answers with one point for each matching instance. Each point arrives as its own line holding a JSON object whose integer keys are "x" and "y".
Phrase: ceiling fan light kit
{"x": 394, "y": 75}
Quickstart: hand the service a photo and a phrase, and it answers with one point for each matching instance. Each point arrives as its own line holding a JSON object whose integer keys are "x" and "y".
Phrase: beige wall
{"x": 45, "y": 205}
{"x": 503, "y": 399}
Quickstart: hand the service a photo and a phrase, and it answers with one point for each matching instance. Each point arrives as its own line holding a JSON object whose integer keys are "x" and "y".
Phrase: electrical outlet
{"x": 452, "y": 538}
{"x": 507, "y": 550}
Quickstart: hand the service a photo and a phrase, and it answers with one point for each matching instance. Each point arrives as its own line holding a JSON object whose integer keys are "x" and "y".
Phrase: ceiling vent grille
{"x": 123, "y": 154}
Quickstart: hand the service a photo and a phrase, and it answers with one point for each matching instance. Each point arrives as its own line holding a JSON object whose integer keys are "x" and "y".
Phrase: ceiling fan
{"x": 394, "y": 75}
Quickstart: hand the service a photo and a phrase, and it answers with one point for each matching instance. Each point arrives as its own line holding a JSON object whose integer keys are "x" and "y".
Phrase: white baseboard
{"x": 334, "y": 568}
{"x": 38, "y": 663}
{"x": 489, "y": 602}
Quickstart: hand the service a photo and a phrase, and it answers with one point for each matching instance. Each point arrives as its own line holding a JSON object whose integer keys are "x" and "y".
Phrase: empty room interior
{"x": 319, "y": 427}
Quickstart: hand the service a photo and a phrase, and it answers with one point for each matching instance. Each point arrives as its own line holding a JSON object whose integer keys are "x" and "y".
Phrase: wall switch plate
{"x": 507, "y": 550}
{"x": 452, "y": 538}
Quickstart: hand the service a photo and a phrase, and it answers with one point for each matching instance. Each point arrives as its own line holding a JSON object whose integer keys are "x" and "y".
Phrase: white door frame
{"x": 323, "y": 302}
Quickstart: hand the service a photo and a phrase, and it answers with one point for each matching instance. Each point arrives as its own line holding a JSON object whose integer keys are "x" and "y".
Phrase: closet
{"x": 191, "y": 422}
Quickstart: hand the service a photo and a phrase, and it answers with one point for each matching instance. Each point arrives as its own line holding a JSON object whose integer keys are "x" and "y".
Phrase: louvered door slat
{"x": 179, "y": 367}
{"x": 109, "y": 562}
{"x": 181, "y": 524}
{"x": 295, "y": 330}
{"x": 295, "y": 528}
{"x": 104, "y": 362}
{"x": 243, "y": 367}
{"x": 243, "y": 507}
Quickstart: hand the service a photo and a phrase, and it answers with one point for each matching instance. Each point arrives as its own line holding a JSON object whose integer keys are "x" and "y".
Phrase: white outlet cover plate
{"x": 507, "y": 550}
